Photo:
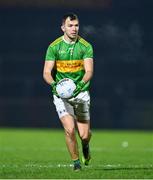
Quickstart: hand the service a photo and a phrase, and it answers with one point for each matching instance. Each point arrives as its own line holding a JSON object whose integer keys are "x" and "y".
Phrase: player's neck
{"x": 69, "y": 40}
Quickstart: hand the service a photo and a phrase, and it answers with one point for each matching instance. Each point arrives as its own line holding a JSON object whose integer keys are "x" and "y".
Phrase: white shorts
{"x": 78, "y": 107}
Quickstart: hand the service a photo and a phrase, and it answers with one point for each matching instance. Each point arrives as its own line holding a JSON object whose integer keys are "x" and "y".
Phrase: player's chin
{"x": 74, "y": 36}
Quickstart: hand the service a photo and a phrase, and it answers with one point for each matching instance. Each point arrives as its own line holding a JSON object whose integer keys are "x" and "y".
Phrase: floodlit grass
{"x": 42, "y": 154}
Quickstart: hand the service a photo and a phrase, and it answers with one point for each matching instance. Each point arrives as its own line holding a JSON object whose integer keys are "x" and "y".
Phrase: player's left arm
{"x": 88, "y": 66}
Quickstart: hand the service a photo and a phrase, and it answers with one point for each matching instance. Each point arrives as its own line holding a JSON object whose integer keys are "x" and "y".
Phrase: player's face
{"x": 70, "y": 29}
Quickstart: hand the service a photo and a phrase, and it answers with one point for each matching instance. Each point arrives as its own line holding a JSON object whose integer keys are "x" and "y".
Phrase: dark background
{"x": 122, "y": 35}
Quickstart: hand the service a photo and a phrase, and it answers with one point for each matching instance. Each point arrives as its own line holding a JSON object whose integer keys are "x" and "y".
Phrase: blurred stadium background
{"x": 122, "y": 35}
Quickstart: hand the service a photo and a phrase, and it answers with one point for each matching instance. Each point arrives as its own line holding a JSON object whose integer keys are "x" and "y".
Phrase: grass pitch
{"x": 42, "y": 154}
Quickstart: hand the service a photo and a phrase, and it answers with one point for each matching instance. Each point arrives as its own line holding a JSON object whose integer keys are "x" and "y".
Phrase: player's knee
{"x": 70, "y": 132}
{"x": 85, "y": 136}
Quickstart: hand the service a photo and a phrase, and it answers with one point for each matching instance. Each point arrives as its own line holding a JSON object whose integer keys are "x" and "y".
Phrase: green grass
{"x": 42, "y": 154}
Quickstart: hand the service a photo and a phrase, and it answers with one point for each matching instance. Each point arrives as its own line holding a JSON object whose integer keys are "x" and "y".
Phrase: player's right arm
{"x": 47, "y": 75}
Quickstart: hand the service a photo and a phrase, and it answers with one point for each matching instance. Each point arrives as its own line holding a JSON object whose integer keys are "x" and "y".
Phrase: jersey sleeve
{"x": 88, "y": 52}
{"x": 50, "y": 54}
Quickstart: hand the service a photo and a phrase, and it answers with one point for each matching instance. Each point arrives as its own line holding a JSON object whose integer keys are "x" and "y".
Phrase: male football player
{"x": 71, "y": 56}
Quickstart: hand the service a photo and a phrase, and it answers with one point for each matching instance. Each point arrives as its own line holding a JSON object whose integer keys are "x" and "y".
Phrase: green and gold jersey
{"x": 69, "y": 58}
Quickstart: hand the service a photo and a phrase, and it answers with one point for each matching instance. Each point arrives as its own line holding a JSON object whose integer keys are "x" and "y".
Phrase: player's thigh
{"x": 63, "y": 107}
{"x": 82, "y": 106}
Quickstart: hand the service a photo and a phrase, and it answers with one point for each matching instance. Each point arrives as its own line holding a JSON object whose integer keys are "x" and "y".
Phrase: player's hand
{"x": 53, "y": 85}
{"x": 79, "y": 88}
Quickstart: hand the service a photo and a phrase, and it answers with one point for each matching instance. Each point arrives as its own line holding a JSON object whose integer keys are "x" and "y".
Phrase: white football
{"x": 65, "y": 88}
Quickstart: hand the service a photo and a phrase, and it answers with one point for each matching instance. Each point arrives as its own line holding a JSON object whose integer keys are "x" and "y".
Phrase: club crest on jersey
{"x": 61, "y": 51}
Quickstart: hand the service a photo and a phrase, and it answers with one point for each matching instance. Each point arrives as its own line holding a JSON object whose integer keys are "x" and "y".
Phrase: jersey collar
{"x": 73, "y": 42}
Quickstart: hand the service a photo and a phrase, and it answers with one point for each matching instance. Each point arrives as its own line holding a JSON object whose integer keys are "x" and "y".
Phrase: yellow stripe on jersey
{"x": 65, "y": 66}
{"x": 58, "y": 40}
{"x": 83, "y": 41}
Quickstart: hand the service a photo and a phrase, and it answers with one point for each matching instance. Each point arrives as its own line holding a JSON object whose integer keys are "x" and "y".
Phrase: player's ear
{"x": 63, "y": 28}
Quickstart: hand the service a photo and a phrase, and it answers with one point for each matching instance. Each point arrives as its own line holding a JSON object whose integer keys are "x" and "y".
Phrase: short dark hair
{"x": 72, "y": 17}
